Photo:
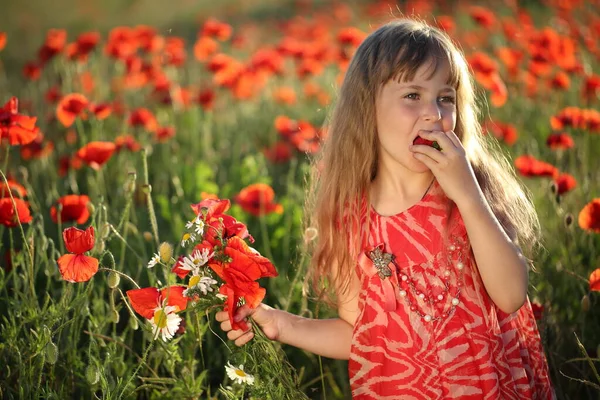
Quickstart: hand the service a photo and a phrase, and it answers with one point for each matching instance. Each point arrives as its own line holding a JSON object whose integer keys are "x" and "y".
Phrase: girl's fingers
{"x": 226, "y": 325}
{"x": 430, "y": 163}
{"x": 455, "y": 140}
{"x": 428, "y": 151}
{"x": 245, "y": 338}
{"x": 237, "y": 333}
{"x": 443, "y": 140}
{"x": 221, "y": 316}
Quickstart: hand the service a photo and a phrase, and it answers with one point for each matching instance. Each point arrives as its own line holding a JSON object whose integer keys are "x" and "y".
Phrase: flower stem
{"x": 149, "y": 199}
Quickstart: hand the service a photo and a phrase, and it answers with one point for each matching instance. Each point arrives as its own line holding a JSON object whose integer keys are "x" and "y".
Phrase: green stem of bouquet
{"x": 149, "y": 199}
{"x": 25, "y": 243}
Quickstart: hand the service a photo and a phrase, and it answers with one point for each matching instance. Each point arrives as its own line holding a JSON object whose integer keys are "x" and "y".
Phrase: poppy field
{"x": 151, "y": 177}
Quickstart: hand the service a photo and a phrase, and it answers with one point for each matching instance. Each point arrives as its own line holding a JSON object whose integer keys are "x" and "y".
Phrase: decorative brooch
{"x": 381, "y": 261}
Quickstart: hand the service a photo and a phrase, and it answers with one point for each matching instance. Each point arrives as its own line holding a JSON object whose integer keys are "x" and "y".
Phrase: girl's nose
{"x": 432, "y": 113}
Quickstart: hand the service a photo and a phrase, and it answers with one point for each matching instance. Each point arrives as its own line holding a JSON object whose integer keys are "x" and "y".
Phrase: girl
{"x": 421, "y": 228}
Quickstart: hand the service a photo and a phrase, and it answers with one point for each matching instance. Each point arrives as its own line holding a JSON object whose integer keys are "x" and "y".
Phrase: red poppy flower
{"x": 530, "y": 166}
{"x": 70, "y": 107}
{"x": 74, "y": 208}
{"x": 128, "y": 142}
{"x": 560, "y": 141}
{"x": 589, "y": 216}
{"x": 258, "y": 199}
{"x": 595, "y": 280}
{"x": 56, "y": 39}
{"x": 240, "y": 277}
{"x": 446, "y": 23}
{"x": 145, "y": 301}
{"x": 204, "y": 48}
{"x": 280, "y": 152}
{"x": 78, "y": 267}
{"x": 143, "y": 117}
{"x": 504, "y": 132}
{"x": 96, "y": 154}
{"x": 591, "y": 87}
{"x": 16, "y": 189}
{"x": 560, "y": 81}
{"x": 2, "y": 40}
{"x": 206, "y": 98}
{"x": 164, "y": 133}
{"x": 101, "y": 110}
{"x": 17, "y": 128}
{"x": 482, "y": 16}
{"x": 85, "y": 44}
{"x": 217, "y": 29}
{"x": 351, "y": 36}
{"x": 217, "y": 221}
{"x": 565, "y": 183}
{"x": 8, "y": 217}
{"x": 285, "y": 95}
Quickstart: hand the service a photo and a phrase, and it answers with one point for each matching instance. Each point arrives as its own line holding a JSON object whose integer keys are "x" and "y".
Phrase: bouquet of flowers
{"x": 221, "y": 270}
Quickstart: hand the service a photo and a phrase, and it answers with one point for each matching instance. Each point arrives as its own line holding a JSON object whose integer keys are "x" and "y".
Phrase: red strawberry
{"x": 420, "y": 140}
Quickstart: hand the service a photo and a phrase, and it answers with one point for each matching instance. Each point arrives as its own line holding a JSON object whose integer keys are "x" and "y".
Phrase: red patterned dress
{"x": 427, "y": 328}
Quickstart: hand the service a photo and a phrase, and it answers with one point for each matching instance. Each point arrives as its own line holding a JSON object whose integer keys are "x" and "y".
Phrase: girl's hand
{"x": 449, "y": 165}
{"x": 263, "y": 315}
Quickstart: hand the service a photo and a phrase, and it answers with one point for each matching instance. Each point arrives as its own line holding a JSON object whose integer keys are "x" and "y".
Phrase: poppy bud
{"x": 113, "y": 280}
{"x": 165, "y": 250}
{"x": 51, "y": 352}
{"x": 133, "y": 323}
{"x": 91, "y": 207}
{"x": 108, "y": 260}
{"x": 105, "y": 231}
{"x": 131, "y": 228}
{"x": 100, "y": 247}
{"x": 585, "y": 303}
{"x": 568, "y": 220}
{"x": 146, "y": 189}
{"x": 147, "y": 236}
{"x": 114, "y": 316}
{"x": 92, "y": 375}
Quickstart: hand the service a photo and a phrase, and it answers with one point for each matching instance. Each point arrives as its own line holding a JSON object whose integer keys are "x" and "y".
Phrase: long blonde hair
{"x": 347, "y": 163}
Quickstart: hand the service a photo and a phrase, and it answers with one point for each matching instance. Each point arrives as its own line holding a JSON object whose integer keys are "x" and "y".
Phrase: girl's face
{"x": 405, "y": 108}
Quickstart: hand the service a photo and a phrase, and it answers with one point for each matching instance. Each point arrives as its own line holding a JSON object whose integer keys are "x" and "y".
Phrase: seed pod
{"x": 91, "y": 207}
{"x": 113, "y": 280}
{"x": 51, "y": 352}
{"x": 92, "y": 375}
{"x": 585, "y": 303}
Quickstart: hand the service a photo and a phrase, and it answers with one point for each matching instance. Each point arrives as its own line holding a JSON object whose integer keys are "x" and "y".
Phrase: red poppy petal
{"x": 144, "y": 301}
{"x": 595, "y": 280}
{"x": 77, "y": 267}
{"x": 78, "y": 241}
{"x": 175, "y": 297}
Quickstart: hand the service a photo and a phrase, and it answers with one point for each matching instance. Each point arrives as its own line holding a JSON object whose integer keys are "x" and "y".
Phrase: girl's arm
{"x": 502, "y": 266}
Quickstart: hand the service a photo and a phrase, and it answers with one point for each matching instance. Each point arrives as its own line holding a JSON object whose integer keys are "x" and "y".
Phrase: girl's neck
{"x": 387, "y": 190}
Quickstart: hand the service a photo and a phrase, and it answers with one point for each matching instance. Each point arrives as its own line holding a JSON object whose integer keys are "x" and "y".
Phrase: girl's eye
{"x": 412, "y": 96}
{"x": 448, "y": 99}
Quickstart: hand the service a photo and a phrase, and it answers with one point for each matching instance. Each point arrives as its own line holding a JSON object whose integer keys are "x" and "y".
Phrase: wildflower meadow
{"x": 153, "y": 174}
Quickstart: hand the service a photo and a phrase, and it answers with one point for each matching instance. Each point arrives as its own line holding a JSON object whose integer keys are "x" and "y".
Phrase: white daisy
{"x": 196, "y": 260}
{"x": 197, "y": 223}
{"x": 187, "y": 237}
{"x": 221, "y": 296}
{"x": 238, "y": 375}
{"x": 201, "y": 284}
{"x": 154, "y": 260}
{"x": 165, "y": 322}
